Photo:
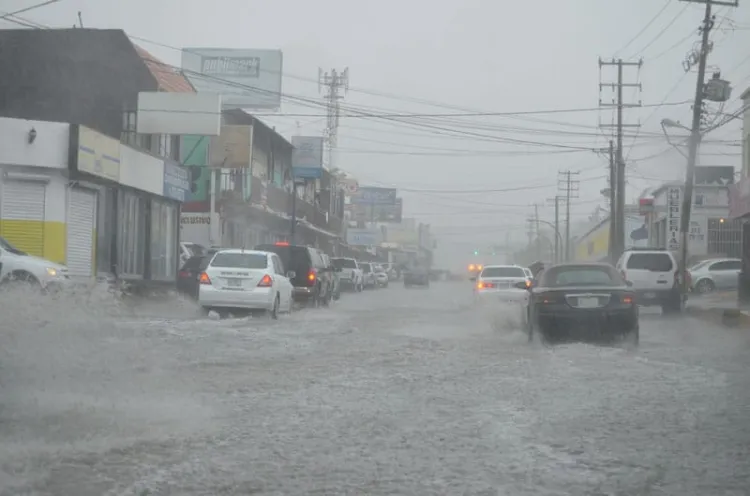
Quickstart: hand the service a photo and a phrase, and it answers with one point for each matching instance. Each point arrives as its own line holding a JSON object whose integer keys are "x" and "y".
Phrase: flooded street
{"x": 391, "y": 392}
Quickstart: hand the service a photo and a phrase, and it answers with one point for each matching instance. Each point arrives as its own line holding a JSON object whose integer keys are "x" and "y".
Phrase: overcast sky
{"x": 480, "y": 55}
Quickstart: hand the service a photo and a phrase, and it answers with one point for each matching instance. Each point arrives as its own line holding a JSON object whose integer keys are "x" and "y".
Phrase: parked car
{"x": 350, "y": 274}
{"x": 582, "y": 302}
{"x": 368, "y": 275}
{"x": 19, "y": 268}
{"x": 190, "y": 271}
{"x": 246, "y": 280}
{"x": 655, "y": 277}
{"x": 312, "y": 279}
{"x": 381, "y": 276}
{"x": 417, "y": 276}
{"x": 335, "y": 277}
{"x": 719, "y": 273}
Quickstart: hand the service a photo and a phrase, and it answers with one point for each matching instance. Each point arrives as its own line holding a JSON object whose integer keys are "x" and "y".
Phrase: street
{"x": 392, "y": 391}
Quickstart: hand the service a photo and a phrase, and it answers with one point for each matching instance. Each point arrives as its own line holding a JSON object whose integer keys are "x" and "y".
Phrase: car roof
{"x": 240, "y": 250}
{"x": 580, "y": 264}
{"x": 502, "y": 266}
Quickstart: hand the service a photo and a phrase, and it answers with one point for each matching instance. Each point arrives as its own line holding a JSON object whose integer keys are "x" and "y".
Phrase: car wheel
{"x": 22, "y": 279}
{"x": 705, "y": 286}
{"x": 273, "y": 313}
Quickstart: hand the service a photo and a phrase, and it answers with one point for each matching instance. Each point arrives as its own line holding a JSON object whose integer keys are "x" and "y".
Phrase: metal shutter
{"x": 81, "y": 222}
{"x": 24, "y": 201}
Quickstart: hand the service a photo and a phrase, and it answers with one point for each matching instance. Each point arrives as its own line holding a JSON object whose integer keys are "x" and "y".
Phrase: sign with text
{"x": 363, "y": 237}
{"x": 674, "y": 209}
{"x": 369, "y": 195}
{"x": 307, "y": 157}
{"x": 176, "y": 181}
{"x": 98, "y": 155}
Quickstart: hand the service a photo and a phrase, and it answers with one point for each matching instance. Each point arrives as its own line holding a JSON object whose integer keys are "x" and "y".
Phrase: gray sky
{"x": 480, "y": 55}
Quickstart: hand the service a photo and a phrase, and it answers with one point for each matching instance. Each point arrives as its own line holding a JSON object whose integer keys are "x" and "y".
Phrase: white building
{"x": 77, "y": 197}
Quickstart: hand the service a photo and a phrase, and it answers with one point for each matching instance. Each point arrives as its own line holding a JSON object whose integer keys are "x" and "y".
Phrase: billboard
{"x": 307, "y": 157}
{"x": 245, "y": 78}
{"x": 161, "y": 112}
{"x": 363, "y": 237}
{"x": 232, "y": 148}
{"x": 98, "y": 155}
{"x": 368, "y": 195}
{"x": 176, "y": 180}
{"x": 378, "y": 213}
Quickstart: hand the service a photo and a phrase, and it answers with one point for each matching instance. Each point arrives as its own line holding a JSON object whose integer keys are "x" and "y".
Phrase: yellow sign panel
{"x": 98, "y": 155}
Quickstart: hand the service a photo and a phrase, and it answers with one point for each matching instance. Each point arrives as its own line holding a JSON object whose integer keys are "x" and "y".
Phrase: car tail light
{"x": 183, "y": 274}
{"x": 549, "y": 299}
{"x": 628, "y": 299}
{"x": 311, "y": 276}
{"x": 479, "y": 267}
{"x": 528, "y": 283}
{"x": 204, "y": 279}
{"x": 485, "y": 285}
{"x": 266, "y": 282}
{"x": 471, "y": 267}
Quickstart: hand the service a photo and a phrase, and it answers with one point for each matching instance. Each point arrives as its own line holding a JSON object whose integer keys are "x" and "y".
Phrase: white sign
{"x": 197, "y": 227}
{"x": 674, "y": 209}
{"x": 698, "y": 237}
{"x": 362, "y": 237}
{"x": 245, "y": 78}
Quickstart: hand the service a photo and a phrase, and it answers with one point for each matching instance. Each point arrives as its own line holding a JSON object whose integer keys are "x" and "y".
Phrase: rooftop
{"x": 168, "y": 78}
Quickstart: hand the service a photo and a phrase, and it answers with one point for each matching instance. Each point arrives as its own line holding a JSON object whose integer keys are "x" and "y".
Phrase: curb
{"x": 732, "y": 318}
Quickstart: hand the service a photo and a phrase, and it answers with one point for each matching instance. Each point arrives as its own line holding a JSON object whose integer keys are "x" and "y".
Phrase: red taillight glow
{"x": 204, "y": 279}
{"x": 528, "y": 283}
{"x": 312, "y": 276}
{"x": 628, "y": 300}
{"x": 471, "y": 267}
{"x": 183, "y": 274}
{"x": 281, "y": 243}
{"x": 266, "y": 282}
{"x": 479, "y": 267}
{"x": 485, "y": 285}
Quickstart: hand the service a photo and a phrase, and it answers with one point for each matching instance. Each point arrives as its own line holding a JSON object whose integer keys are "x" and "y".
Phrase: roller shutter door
{"x": 22, "y": 211}
{"x": 80, "y": 231}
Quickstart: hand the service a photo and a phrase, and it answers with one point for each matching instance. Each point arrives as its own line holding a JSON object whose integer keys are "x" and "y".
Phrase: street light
{"x": 665, "y": 123}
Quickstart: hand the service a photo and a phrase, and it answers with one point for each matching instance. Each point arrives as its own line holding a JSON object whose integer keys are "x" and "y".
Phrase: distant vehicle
{"x": 350, "y": 273}
{"x": 500, "y": 284}
{"x": 417, "y": 276}
{"x": 245, "y": 280}
{"x": 474, "y": 270}
{"x": 312, "y": 279}
{"x": 368, "y": 275}
{"x": 381, "y": 276}
{"x": 335, "y": 276}
{"x": 582, "y": 301}
{"x": 655, "y": 277}
{"x": 718, "y": 273}
{"x": 19, "y": 269}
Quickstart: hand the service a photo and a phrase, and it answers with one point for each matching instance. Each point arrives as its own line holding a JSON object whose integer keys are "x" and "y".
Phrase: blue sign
{"x": 374, "y": 196}
{"x": 307, "y": 157}
{"x": 362, "y": 237}
{"x": 176, "y": 181}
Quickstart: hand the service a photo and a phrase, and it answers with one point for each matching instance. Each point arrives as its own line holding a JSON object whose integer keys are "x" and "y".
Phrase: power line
{"x": 643, "y": 30}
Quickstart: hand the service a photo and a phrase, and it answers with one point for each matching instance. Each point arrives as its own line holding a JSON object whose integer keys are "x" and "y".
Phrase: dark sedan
{"x": 582, "y": 301}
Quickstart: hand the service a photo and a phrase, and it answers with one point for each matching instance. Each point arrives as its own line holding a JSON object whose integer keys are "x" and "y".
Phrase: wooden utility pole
{"x": 613, "y": 217}
{"x": 619, "y": 189}
{"x": 570, "y": 186}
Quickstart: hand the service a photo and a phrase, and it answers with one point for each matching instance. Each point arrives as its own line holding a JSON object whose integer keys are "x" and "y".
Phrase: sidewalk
{"x": 720, "y": 307}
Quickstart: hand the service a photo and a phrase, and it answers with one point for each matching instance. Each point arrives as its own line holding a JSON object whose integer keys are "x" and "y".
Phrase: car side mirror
{"x": 291, "y": 274}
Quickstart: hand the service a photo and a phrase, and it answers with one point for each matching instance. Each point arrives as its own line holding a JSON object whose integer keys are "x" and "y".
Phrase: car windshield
{"x": 344, "y": 263}
{"x": 503, "y": 272}
{"x": 581, "y": 276}
{"x": 240, "y": 260}
{"x": 5, "y": 245}
{"x": 654, "y": 262}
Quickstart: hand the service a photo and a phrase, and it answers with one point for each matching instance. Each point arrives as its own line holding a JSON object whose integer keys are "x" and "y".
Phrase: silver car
{"x": 718, "y": 273}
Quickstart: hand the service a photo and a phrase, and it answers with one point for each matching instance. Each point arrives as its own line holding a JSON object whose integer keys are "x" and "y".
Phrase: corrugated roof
{"x": 168, "y": 78}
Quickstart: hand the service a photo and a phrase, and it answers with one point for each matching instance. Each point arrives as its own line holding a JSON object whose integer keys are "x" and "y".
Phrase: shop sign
{"x": 98, "y": 155}
{"x": 673, "y": 218}
{"x": 176, "y": 181}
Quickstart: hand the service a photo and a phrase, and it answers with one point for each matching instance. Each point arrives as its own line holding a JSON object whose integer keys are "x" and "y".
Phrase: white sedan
{"x": 246, "y": 280}
{"x": 501, "y": 284}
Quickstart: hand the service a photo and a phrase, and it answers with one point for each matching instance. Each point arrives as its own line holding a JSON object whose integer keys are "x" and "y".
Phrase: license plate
{"x": 588, "y": 302}
{"x": 234, "y": 283}
{"x": 649, "y": 295}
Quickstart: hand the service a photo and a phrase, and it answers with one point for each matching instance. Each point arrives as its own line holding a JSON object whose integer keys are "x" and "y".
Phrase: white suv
{"x": 351, "y": 275}
{"x": 655, "y": 278}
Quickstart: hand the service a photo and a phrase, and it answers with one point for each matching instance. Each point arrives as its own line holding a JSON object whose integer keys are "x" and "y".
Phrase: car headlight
{"x": 52, "y": 272}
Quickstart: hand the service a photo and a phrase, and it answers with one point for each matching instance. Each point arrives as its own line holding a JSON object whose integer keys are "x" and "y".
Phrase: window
{"x": 502, "y": 272}
{"x": 344, "y": 263}
{"x": 726, "y": 265}
{"x": 278, "y": 267}
{"x": 163, "y": 240}
{"x": 581, "y": 276}
{"x": 655, "y": 262}
{"x": 240, "y": 260}
{"x": 725, "y": 237}
{"x": 132, "y": 235}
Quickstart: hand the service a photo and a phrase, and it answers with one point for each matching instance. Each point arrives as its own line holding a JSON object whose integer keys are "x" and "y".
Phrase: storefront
{"x": 132, "y": 199}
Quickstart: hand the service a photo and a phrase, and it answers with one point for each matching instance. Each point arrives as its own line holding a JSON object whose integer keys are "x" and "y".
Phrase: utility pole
{"x": 695, "y": 134}
{"x": 619, "y": 188}
{"x": 613, "y": 228}
{"x": 568, "y": 183}
{"x": 536, "y": 229}
{"x": 333, "y": 82}
{"x": 556, "y": 202}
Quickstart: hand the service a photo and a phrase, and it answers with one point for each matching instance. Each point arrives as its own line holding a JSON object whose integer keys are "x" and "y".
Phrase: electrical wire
{"x": 643, "y": 30}
{"x": 663, "y": 31}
